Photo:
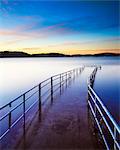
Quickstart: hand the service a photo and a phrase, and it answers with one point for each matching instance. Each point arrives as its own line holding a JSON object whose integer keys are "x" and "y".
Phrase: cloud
{"x": 22, "y": 29}
{"x": 88, "y": 23}
{"x": 77, "y": 43}
{"x": 11, "y": 42}
{"x": 29, "y": 31}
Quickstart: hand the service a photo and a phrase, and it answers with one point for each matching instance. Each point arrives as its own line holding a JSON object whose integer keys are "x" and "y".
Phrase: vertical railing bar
{"x": 79, "y": 70}
{"x": 60, "y": 83}
{"x": 51, "y": 89}
{"x": 40, "y": 97}
{"x": 24, "y": 113}
{"x": 74, "y": 72}
{"x": 66, "y": 79}
{"x": 62, "y": 80}
{"x": 70, "y": 74}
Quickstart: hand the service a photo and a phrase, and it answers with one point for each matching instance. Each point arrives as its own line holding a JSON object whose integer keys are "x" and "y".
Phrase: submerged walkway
{"x": 67, "y": 123}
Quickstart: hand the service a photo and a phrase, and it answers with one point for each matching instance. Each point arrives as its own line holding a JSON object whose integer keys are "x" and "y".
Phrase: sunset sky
{"x": 70, "y": 27}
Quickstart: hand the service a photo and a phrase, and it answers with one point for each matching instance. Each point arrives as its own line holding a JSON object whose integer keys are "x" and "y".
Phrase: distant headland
{"x": 15, "y": 54}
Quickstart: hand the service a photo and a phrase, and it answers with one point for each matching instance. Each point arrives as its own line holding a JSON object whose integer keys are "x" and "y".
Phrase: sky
{"x": 69, "y": 27}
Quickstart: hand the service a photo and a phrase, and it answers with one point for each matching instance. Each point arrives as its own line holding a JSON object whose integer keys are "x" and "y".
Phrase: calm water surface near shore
{"x": 17, "y": 75}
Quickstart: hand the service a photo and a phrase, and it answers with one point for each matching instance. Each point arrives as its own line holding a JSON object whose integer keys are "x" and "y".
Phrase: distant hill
{"x": 12, "y": 54}
{"x": 107, "y": 54}
{"x": 50, "y": 55}
{"x": 100, "y": 54}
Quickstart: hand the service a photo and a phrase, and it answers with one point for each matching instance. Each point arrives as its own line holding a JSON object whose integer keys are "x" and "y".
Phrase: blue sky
{"x": 59, "y": 26}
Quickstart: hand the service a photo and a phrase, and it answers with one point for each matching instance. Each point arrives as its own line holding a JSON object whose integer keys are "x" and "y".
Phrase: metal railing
{"x": 46, "y": 89}
{"x": 103, "y": 119}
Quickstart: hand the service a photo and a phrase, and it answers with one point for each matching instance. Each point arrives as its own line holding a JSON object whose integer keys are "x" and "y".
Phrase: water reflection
{"x": 19, "y": 75}
{"x": 29, "y": 117}
{"x": 107, "y": 87}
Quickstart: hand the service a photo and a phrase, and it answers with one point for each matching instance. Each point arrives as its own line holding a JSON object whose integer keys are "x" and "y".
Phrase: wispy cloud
{"x": 77, "y": 43}
{"x": 28, "y": 32}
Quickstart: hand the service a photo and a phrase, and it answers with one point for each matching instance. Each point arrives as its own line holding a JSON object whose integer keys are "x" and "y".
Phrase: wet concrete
{"x": 66, "y": 124}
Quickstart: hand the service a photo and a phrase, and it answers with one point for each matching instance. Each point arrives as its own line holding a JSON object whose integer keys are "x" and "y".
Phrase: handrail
{"x": 105, "y": 109}
{"x": 62, "y": 78}
{"x": 32, "y": 89}
{"x": 92, "y": 96}
{"x": 35, "y": 87}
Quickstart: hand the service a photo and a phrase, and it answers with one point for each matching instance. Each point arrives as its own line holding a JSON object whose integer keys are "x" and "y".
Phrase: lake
{"x": 18, "y": 75}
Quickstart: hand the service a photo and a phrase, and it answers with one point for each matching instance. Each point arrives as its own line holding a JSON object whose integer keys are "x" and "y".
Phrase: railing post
{"x": 69, "y": 76}
{"x": 79, "y": 70}
{"x": 62, "y": 80}
{"x": 51, "y": 89}
{"x": 10, "y": 116}
{"x": 74, "y": 73}
{"x": 40, "y": 97}
{"x": 66, "y": 79}
{"x": 24, "y": 112}
{"x": 60, "y": 83}
{"x": 114, "y": 138}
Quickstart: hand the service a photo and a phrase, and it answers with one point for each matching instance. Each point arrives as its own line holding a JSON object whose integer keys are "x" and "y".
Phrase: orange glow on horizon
{"x": 69, "y": 52}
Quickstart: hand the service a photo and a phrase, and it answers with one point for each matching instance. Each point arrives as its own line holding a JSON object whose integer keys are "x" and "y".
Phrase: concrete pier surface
{"x": 66, "y": 124}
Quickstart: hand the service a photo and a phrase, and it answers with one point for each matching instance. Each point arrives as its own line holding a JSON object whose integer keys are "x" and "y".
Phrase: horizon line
{"x": 45, "y": 53}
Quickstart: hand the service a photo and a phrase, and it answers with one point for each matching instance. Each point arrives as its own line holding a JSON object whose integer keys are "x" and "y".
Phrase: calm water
{"x": 17, "y": 75}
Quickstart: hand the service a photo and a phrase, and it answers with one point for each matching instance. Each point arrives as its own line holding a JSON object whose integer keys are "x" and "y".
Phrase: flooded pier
{"x": 59, "y": 116}
{"x": 67, "y": 124}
